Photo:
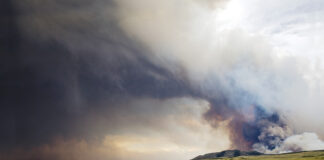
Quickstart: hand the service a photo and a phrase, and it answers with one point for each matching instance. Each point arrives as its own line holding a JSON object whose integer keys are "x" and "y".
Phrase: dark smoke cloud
{"x": 247, "y": 128}
{"x": 48, "y": 87}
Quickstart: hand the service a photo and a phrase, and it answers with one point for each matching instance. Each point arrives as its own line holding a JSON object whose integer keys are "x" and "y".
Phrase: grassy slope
{"x": 312, "y": 155}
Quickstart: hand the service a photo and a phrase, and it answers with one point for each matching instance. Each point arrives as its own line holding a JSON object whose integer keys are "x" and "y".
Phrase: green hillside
{"x": 311, "y": 155}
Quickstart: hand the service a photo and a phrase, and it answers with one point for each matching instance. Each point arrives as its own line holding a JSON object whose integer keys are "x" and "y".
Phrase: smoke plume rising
{"x": 104, "y": 79}
{"x": 234, "y": 70}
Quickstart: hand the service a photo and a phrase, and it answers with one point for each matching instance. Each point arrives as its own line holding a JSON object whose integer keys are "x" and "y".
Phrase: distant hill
{"x": 242, "y": 155}
{"x": 227, "y": 154}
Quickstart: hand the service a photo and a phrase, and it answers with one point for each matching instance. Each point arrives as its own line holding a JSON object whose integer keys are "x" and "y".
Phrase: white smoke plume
{"x": 299, "y": 142}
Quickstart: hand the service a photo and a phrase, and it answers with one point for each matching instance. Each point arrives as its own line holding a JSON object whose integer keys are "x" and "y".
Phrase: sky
{"x": 172, "y": 79}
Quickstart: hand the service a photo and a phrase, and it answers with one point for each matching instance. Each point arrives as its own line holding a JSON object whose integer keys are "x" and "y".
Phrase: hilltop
{"x": 243, "y": 155}
{"x": 227, "y": 154}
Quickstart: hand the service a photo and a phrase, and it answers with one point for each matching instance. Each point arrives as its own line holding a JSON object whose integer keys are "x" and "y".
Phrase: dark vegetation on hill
{"x": 228, "y": 154}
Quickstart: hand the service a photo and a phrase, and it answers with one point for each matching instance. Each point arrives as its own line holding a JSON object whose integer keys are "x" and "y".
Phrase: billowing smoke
{"x": 116, "y": 70}
{"x": 239, "y": 73}
{"x": 300, "y": 142}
